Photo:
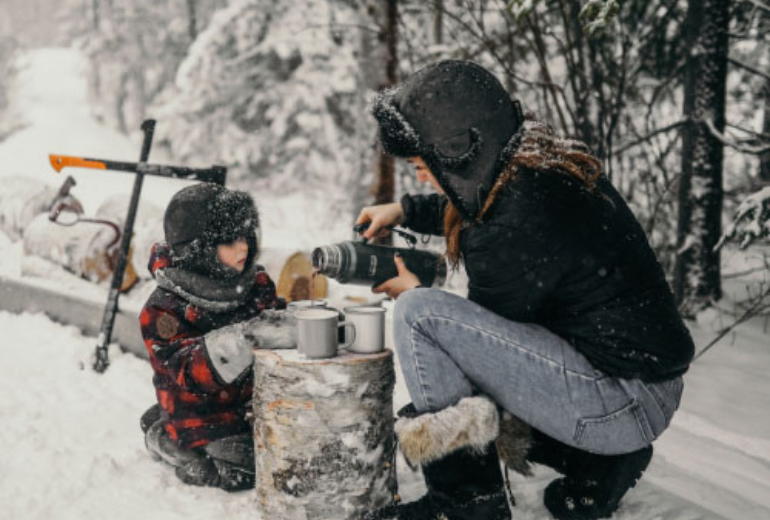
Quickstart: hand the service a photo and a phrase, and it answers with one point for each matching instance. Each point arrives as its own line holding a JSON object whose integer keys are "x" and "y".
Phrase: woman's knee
{"x": 410, "y": 306}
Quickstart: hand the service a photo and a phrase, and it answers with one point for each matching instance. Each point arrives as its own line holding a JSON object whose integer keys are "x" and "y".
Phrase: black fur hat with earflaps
{"x": 460, "y": 120}
{"x": 202, "y": 216}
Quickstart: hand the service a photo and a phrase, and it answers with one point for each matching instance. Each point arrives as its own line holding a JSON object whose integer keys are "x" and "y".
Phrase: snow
{"x": 72, "y": 447}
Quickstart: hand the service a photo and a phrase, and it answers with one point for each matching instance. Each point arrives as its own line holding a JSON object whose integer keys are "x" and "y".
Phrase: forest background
{"x": 672, "y": 95}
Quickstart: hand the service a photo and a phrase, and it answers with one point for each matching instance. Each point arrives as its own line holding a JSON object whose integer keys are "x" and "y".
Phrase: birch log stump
{"x": 323, "y": 434}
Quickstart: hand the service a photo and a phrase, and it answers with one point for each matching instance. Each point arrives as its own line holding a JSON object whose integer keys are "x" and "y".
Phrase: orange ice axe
{"x": 215, "y": 174}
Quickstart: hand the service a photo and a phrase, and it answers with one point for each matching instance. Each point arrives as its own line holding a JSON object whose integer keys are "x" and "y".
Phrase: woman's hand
{"x": 405, "y": 280}
{"x": 380, "y": 216}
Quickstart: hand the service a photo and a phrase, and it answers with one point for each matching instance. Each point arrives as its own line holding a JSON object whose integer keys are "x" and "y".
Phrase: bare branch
{"x": 759, "y": 306}
{"x": 749, "y": 68}
{"x": 759, "y": 5}
{"x": 649, "y": 136}
{"x": 752, "y": 132}
{"x": 753, "y": 150}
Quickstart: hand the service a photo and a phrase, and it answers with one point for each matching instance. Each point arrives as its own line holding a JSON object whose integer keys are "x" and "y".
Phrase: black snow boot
{"x": 149, "y": 417}
{"x": 593, "y": 485}
{"x": 208, "y": 471}
{"x": 549, "y": 452}
{"x": 459, "y": 463}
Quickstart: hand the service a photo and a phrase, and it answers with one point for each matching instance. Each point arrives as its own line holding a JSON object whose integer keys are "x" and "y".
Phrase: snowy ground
{"x": 72, "y": 448}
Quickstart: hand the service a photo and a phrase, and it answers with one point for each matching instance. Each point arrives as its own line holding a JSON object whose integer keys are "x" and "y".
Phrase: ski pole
{"x": 108, "y": 319}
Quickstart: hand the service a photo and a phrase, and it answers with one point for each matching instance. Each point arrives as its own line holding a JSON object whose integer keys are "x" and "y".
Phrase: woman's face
{"x": 234, "y": 254}
{"x": 423, "y": 173}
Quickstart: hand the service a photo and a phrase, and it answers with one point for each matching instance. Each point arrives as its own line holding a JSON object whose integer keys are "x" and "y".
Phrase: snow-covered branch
{"x": 754, "y": 150}
{"x": 751, "y": 222}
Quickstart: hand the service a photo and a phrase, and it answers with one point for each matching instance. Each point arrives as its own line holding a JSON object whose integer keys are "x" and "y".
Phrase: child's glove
{"x": 230, "y": 351}
{"x": 272, "y": 329}
{"x": 231, "y": 347}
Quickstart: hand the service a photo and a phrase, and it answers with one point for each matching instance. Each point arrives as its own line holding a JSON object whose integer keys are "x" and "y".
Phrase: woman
{"x": 569, "y": 323}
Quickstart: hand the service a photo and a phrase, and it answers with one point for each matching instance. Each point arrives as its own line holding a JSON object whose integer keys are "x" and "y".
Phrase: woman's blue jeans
{"x": 450, "y": 348}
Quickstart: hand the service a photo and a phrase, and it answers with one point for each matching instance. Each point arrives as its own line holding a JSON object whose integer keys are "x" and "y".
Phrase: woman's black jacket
{"x": 575, "y": 261}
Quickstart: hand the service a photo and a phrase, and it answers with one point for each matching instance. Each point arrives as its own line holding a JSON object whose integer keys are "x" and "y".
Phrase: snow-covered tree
{"x": 276, "y": 93}
{"x": 135, "y": 49}
{"x": 751, "y": 222}
{"x": 697, "y": 273}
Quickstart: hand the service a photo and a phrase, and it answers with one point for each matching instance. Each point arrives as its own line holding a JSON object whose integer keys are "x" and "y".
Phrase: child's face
{"x": 234, "y": 254}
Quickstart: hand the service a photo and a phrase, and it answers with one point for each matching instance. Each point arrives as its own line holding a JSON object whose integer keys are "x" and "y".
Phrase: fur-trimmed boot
{"x": 593, "y": 485}
{"x": 459, "y": 462}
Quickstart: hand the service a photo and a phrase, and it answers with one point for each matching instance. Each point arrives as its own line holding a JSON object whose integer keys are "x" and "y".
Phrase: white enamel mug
{"x": 370, "y": 328}
{"x": 317, "y": 332}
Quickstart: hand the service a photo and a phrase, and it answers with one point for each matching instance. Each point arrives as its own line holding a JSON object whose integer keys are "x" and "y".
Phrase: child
{"x": 200, "y": 326}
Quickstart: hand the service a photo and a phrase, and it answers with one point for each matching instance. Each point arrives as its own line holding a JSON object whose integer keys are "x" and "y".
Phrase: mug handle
{"x": 353, "y": 329}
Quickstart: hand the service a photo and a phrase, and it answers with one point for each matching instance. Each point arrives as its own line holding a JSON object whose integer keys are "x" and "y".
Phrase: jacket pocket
{"x": 621, "y": 431}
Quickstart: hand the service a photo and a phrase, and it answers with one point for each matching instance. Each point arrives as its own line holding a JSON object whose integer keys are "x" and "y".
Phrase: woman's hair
{"x": 540, "y": 150}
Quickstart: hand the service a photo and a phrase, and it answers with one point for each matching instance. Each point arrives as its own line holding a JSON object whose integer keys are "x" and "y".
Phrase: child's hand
{"x": 405, "y": 280}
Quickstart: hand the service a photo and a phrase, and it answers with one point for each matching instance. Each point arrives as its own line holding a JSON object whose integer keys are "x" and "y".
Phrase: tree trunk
{"x": 438, "y": 22}
{"x": 95, "y": 14}
{"x": 764, "y": 159}
{"x": 323, "y": 434}
{"x": 192, "y": 22}
{"x": 697, "y": 270}
{"x": 384, "y": 189}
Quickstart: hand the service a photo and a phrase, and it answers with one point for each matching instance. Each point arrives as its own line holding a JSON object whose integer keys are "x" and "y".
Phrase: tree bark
{"x": 697, "y": 270}
{"x": 192, "y": 22}
{"x": 384, "y": 189}
{"x": 323, "y": 434}
{"x": 438, "y": 21}
{"x": 764, "y": 159}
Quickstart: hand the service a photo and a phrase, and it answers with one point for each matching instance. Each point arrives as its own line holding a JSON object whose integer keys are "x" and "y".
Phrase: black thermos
{"x": 367, "y": 264}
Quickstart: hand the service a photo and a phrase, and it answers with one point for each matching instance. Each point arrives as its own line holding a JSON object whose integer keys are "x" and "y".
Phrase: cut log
{"x": 323, "y": 434}
{"x": 86, "y": 249}
{"x": 297, "y": 281}
{"x": 148, "y": 227}
{"x": 20, "y": 202}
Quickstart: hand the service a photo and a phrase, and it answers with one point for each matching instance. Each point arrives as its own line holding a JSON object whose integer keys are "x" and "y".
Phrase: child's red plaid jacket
{"x": 198, "y": 406}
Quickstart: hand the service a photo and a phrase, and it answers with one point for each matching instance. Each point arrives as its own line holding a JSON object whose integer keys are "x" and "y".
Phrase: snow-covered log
{"x": 20, "y": 202}
{"x": 86, "y": 249}
{"x": 148, "y": 227}
{"x": 323, "y": 434}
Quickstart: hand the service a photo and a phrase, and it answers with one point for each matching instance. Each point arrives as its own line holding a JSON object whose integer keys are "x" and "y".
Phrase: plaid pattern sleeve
{"x": 177, "y": 351}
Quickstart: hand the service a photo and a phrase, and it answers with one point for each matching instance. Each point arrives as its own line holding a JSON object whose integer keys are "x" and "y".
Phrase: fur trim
{"x": 472, "y": 423}
{"x": 398, "y": 137}
{"x": 514, "y": 443}
{"x": 540, "y": 144}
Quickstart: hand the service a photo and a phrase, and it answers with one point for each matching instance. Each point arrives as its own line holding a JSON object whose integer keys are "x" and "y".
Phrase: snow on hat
{"x": 459, "y": 119}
